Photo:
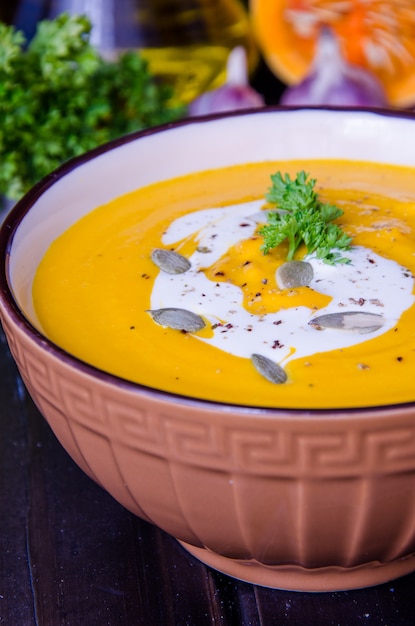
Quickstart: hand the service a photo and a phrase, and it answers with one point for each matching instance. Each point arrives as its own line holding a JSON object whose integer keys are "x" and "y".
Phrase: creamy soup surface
{"x": 97, "y": 283}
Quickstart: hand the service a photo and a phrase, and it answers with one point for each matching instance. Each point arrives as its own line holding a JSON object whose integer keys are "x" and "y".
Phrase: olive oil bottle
{"x": 186, "y": 42}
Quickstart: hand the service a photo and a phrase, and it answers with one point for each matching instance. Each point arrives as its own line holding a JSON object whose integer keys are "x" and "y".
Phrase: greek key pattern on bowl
{"x": 192, "y": 435}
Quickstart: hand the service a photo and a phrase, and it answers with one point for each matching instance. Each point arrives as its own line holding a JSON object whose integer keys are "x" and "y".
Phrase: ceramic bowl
{"x": 311, "y": 500}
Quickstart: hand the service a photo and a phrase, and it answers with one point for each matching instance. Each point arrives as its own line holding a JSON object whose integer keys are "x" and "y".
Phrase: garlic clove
{"x": 235, "y": 94}
{"x": 333, "y": 81}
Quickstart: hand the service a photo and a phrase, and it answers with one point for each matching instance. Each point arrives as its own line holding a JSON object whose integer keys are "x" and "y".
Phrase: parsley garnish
{"x": 301, "y": 218}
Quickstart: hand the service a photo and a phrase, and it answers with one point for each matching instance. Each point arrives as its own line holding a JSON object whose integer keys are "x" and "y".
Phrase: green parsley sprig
{"x": 60, "y": 98}
{"x": 301, "y": 218}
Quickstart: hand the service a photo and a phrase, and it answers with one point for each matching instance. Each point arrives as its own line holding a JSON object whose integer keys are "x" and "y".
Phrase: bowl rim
{"x": 13, "y": 219}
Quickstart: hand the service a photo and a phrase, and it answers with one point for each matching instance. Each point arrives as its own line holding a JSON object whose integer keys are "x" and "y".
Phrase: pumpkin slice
{"x": 377, "y": 35}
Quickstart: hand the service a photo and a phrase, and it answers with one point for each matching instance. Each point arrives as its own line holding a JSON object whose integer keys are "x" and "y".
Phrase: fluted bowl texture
{"x": 313, "y": 500}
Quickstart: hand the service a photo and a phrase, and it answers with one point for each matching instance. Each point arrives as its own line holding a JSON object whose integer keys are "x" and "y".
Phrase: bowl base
{"x": 297, "y": 578}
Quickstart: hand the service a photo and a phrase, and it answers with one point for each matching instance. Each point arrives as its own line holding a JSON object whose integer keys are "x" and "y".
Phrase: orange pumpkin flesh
{"x": 377, "y": 35}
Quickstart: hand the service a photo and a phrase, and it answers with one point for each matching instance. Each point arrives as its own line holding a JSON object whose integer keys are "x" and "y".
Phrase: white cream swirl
{"x": 369, "y": 283}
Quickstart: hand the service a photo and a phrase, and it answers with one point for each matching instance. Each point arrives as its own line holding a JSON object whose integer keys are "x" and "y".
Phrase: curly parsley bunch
{"x": 59, "y": 98}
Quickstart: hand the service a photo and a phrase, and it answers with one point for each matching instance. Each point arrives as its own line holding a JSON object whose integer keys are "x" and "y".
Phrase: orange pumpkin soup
{"x": 98, "y": 289}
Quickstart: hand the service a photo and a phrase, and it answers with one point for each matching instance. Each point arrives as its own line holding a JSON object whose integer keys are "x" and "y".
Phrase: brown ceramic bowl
{"x": 312, "y": 500}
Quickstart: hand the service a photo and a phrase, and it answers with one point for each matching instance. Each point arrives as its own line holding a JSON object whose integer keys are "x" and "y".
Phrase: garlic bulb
{"x": 333, "y": 81}
{"x": 234, "y": 94}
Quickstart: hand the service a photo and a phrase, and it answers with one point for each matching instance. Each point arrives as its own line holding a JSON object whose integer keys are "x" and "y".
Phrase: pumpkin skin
{"x": 287, "y": 33}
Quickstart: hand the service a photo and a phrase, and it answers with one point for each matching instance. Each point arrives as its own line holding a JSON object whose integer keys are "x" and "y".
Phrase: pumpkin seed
{"x": 178, "y": 319}
{"x": 269, "y": 369}
{"x": 169, "y": 261}
{"x": 357, "y": 321}
{"x": 294, "y": 274}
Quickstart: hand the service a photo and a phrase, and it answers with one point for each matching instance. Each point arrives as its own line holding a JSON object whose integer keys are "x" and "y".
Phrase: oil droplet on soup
{"x": 97, "y": 282}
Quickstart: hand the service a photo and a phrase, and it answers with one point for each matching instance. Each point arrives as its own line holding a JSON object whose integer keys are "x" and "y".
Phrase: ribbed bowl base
{"x": 297, "y": 578}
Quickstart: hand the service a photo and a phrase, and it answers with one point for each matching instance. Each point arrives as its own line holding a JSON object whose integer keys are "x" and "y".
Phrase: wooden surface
{"x": 70, "y": 555}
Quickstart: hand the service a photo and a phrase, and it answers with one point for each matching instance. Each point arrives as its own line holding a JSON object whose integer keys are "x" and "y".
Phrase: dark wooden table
{"x": 72, "y": 556}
